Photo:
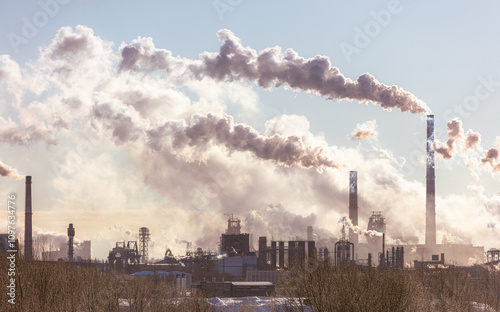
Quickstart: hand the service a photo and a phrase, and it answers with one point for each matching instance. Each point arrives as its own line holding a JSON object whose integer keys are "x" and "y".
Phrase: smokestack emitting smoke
{"x": 353, "y": 205}
{"x": 6, "y": 171}
{"x": 430, "y": 211}
{"x": 28, "y": 240}
{"x": 269, "y": 68}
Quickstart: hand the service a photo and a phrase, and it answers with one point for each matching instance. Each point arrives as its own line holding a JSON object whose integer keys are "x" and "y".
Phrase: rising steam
{"x": 356, "y": 229}
{"x": 269, "y": 68}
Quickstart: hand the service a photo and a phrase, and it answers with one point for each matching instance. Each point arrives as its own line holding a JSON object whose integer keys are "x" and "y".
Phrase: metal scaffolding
{"x": 144, "y": 238}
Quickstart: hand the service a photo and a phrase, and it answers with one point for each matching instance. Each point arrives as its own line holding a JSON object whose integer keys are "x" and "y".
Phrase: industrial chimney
{"x": 310, "y": 236}
{"x": 28, "y": 240}
{"x": 353, "y": 205}
{"x": 71, "y": 235}
{"x": 430, "y": 205}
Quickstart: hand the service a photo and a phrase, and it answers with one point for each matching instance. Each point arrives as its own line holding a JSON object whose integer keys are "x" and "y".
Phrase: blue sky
{"x": 441, "y": 52}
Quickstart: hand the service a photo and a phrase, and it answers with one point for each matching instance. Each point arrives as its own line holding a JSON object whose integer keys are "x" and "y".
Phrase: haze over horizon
{"x": 172, "y": 121}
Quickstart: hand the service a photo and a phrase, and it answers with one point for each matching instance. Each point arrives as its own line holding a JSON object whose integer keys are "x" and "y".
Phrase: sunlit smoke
{"x": 356, "y": 229}
{"x": 6, "y": 171}
{"x": 491, "y": 158}
{"x": 202, "y": 131}
{"x": 455, "y": 133}
{"x": 268, "y": 68}
{"x": 472, "y": 140}
{"x": 365, "y": 130}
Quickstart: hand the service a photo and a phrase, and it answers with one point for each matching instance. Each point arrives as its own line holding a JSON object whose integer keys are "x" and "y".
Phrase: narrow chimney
{"x": 309, "y": 233}
{"x": 71, "y": 236}
{"x": 28, "y": 240}
{"x": 430, "y": 212}
{"x": 353, "y": 205}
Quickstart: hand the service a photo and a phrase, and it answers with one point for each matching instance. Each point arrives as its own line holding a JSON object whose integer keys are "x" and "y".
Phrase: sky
{"x": 174, "y": 114}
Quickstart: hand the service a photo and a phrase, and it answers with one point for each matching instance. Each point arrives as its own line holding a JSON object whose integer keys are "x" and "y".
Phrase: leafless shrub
{"x": 351, "y": 288}
{"x": 320, "y": 286}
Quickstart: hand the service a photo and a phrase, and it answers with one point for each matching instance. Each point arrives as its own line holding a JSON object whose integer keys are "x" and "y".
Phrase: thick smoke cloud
{"x": 472, "y": 140}
{"x": 201, "y": 131}
{"x": 10, "y": 83}
{"x": 365, "y": 131}
{"x": 6, "y": 171}
{"x": 455, "y": 133}
{"x": 469, "y": 141}
{"x": 491, "y": 158}
{"x": 269, "y": 68}
{"x": 357, "y": 230}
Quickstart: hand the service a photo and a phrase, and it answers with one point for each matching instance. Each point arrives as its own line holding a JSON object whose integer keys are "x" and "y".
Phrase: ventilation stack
{"x": 353, "y": 205}
{"x": 71, "y": 235}
{"x": 28, "y": 235}
{"x": 430, "y": 205}
{"x": 144, "y": 238}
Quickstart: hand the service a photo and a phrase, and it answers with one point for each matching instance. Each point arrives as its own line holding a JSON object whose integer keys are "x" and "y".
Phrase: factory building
{"x": 234, "y": 289}
{"x": 82, "y": 252}
{"x": 235, "y": 256}
{"x": 283, "y": 254}
{"x": 233, "y": 242}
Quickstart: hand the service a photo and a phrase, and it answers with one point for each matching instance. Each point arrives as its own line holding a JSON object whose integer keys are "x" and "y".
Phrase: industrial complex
{"x": 238, "y": 270}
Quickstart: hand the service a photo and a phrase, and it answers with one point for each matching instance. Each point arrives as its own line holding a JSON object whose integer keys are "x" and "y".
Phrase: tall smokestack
{"x": 353, "y": 205}
{"x": 430, "y": 211}
{"x": 28, "y": 240}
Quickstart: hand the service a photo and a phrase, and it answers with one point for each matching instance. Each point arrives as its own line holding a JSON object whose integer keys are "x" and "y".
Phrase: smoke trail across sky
{"x": 269, "y": 68}
{"x": 202, "y": 130}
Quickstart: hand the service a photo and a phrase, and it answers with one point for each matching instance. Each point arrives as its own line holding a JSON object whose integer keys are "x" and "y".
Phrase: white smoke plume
{"x": 49, "y": 240}
{"x": 10, "y": 83}
{"x": 365, "y": 130}
{"x": 469, "y": 141}
{"x": 6, "y": 171}
{"x": 201, "y": 131}
{"x": 269, "y": 68}
{"x": 472, "y": 140}
{"x": 490, "y": 158}
{"x": 455, "y": 133}
{"x": 356, "y": 229}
